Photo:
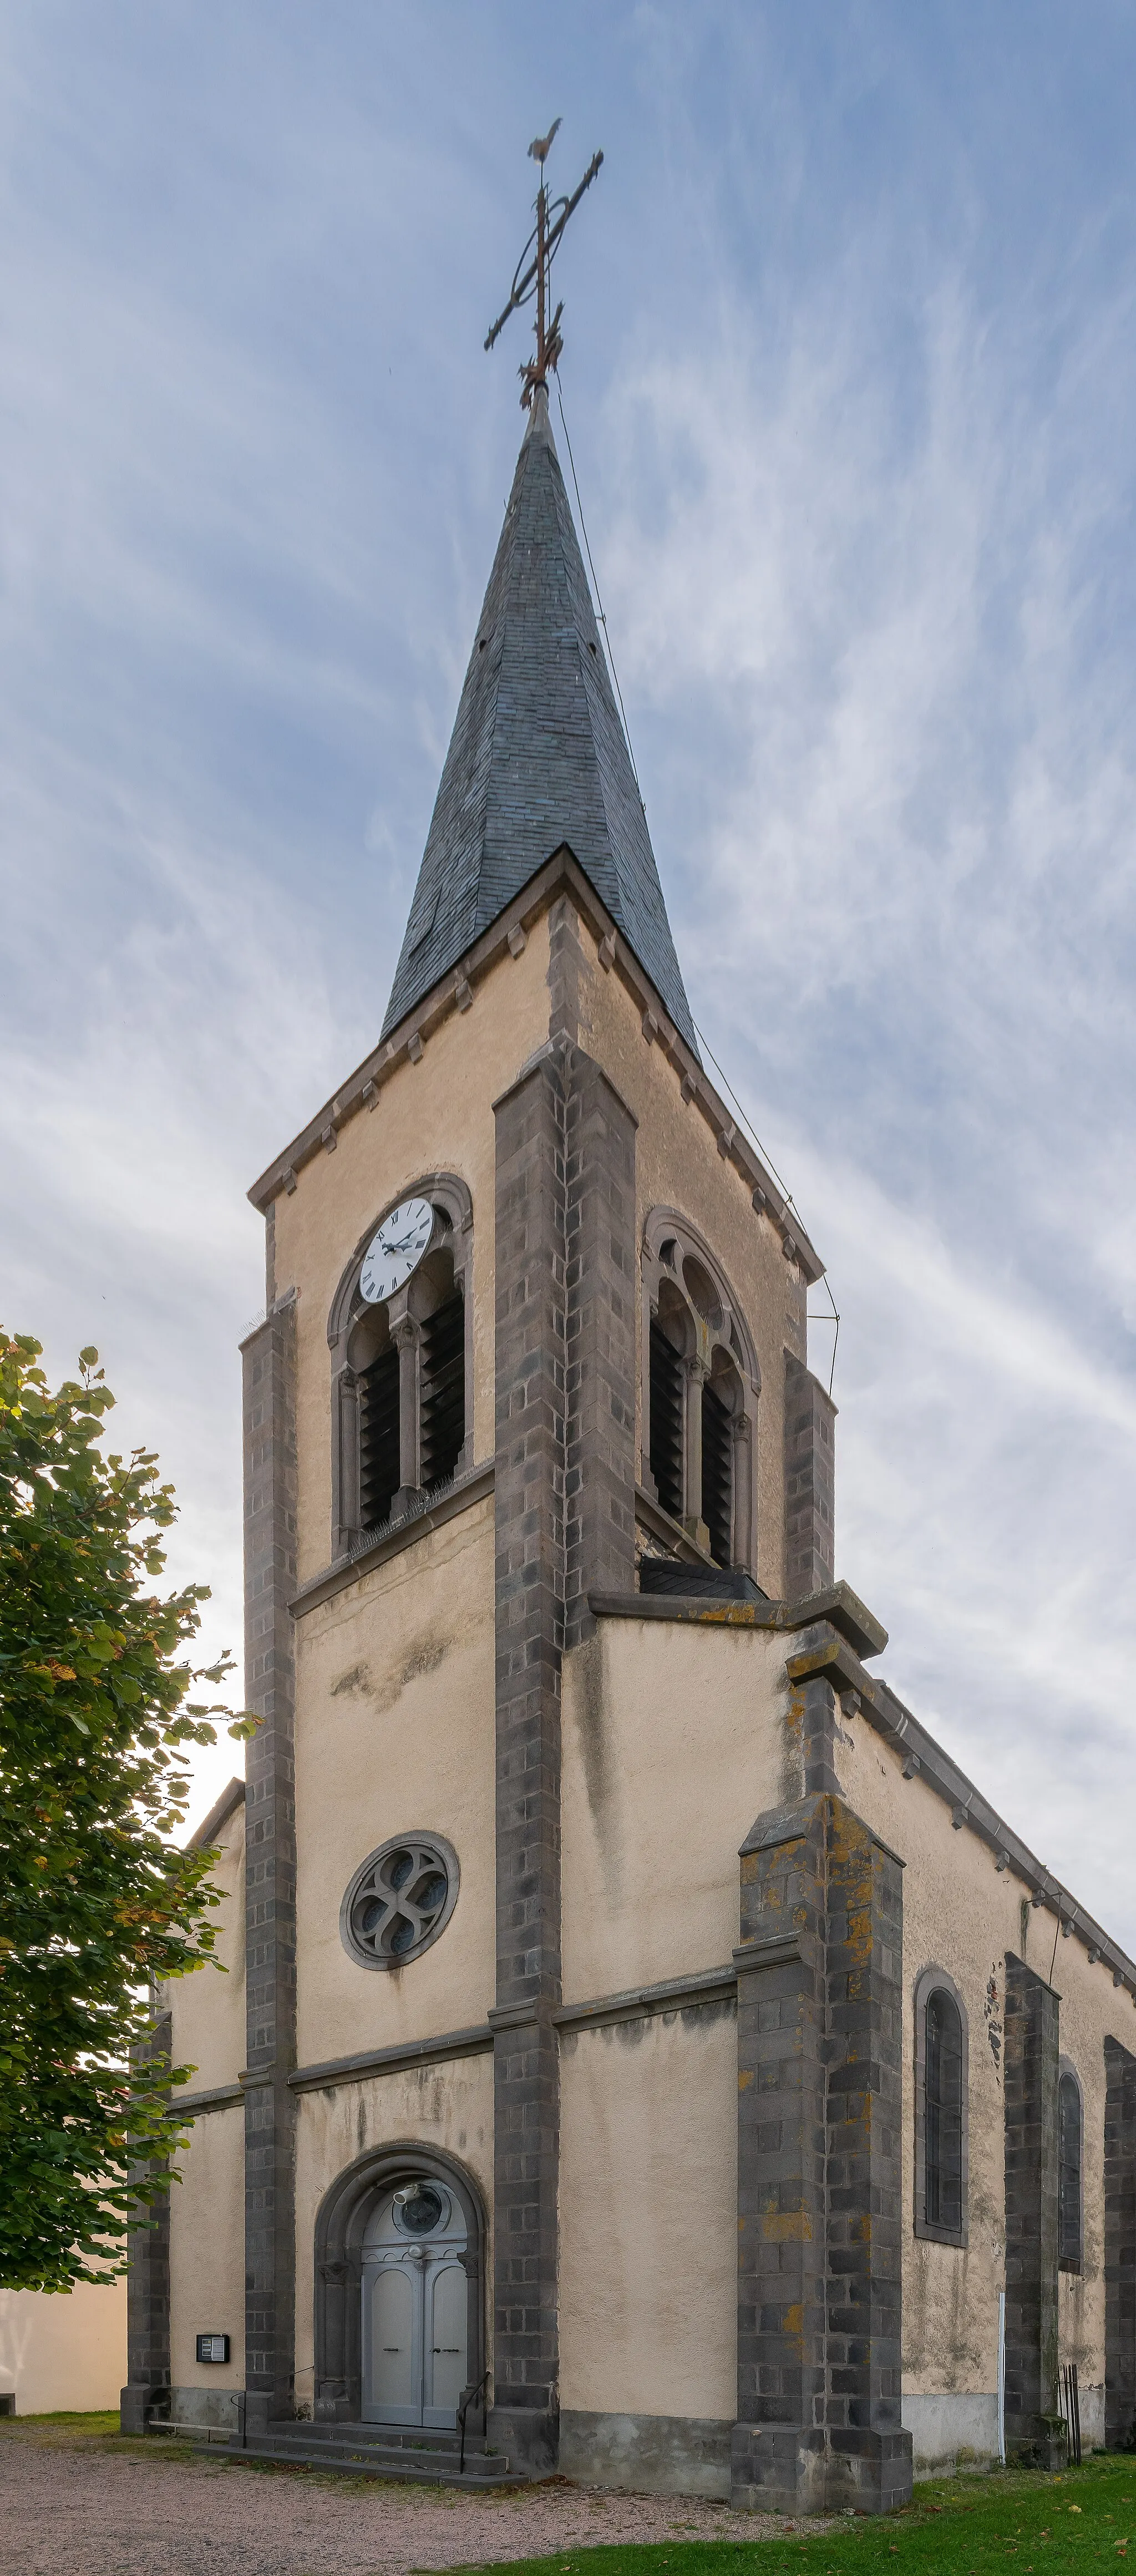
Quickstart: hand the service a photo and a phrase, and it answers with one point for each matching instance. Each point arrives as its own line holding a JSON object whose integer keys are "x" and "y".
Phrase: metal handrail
{"x": 463, "y": 2410}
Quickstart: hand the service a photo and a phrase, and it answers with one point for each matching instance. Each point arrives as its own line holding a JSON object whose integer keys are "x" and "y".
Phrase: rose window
{"x": 400, "y": 1900}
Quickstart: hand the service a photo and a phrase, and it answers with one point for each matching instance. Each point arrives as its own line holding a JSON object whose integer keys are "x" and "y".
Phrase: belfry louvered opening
{"x": 668, "y": 1384}
{"x": 401, "y": 1384}
{"x": 378, "y": 1439}
{"x": 441, "y": 1391}
{"x": 717, "y": 1474}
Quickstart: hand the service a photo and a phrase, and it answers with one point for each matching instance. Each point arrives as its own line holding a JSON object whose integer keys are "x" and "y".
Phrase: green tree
{"x": 98, "y": 1899}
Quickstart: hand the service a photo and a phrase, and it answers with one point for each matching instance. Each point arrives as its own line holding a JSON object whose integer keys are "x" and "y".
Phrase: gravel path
{"x": 73, "y": 2502}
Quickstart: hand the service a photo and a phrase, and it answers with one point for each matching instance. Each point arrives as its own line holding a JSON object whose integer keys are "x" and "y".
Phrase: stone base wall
{"x": 647, "y": 2454}
{"x": 216, "y": 2410}
{"x": 948, "y": 2430}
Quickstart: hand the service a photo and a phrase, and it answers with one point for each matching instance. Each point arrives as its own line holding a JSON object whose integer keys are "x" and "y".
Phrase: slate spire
{"x": 538, "y": 756}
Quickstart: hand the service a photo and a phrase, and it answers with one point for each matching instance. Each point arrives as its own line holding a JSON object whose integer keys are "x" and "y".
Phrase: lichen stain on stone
{"x": 745, "y": 2078}
{"x": 793, "y": 1768}
{"x": 787, "y": 2227}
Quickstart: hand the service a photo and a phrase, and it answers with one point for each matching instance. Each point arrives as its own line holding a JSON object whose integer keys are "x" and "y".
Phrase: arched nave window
{"x": 941, "y": 2143}
{"x": 701, "y": 1383}
{"x": 401, "y": 1363}
{"x": 1070, "y": 2169}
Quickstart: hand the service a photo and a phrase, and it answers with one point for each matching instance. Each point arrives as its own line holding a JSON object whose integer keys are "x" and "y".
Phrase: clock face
{"x": 396, "y": 1249}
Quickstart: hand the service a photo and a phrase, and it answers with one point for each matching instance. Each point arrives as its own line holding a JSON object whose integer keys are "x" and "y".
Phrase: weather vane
{"x": 535, "y": 264}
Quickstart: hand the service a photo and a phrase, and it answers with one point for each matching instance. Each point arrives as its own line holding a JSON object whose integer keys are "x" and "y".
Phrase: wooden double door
{"x": 415, "y": 2308}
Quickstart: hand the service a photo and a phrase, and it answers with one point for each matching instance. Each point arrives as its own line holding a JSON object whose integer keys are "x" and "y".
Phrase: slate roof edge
{"x": 362, "y": 1087}
{"x": 206, "y": 1832}
{"x": 829, "y": 1654}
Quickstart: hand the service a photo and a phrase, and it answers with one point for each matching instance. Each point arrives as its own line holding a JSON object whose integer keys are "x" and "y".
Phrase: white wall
{"x": 63, "y": 2352}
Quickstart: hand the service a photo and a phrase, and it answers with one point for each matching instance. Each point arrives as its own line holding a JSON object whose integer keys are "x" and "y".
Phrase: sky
{"x": 850, "y": 377}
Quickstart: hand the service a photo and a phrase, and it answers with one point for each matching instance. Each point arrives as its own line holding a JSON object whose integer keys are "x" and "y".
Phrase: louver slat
{"x": 442, "y": 1396}
{"x": 717, "y": 1476}
{"x": 667, "y": 1388}
{"x": 378, "y": 1439}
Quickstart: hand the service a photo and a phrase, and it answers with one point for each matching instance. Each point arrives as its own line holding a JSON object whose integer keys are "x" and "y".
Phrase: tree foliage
{"x": 96, "y": 1721}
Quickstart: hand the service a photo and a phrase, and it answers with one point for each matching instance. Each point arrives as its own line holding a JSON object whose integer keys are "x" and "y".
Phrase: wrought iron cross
{"x": 534, "y": 268}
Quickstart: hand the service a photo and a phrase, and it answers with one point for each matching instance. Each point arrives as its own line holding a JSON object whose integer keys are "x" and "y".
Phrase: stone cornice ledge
{"x": 220, "y": 2097}
{"x": 448, "y": 2044}
{"x": 391, "y": 1542}
{"x": 838, "y": 1605}
{"x": 674, "y": 1994}
{"x": 767, "y": 1950}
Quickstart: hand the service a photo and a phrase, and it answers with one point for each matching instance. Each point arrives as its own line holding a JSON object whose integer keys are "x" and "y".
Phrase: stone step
{"x": 335, "y": 2448}
{"x": 415, "y": 2437}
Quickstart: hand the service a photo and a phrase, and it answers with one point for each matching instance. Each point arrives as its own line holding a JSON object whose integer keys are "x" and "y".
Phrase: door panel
{"x": 447, "y": 2296}
{"x": 394, "y": 2375}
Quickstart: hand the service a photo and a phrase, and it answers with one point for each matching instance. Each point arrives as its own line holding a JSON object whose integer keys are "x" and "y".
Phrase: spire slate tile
{"x": 538, "y": 757}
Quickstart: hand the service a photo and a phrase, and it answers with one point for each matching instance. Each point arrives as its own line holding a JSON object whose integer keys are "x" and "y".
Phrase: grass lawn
{"x": 103, "y": 2422}
{"x": 1038, "y": 2525}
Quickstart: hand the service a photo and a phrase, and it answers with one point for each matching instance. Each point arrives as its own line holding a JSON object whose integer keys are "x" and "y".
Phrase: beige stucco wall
{"x": 433, "y": 1116}
{"x": 678, "y": 1165}
{"x": 962, "y": 1914}
{"x": 63, "y": 2353}
{"x": 672, "y": 1744}
{"x": 448, "y": 2107}
{"x": 208, "y": 2008}
{"x": 395, "y": 1734}
{"x": 207, "y": 2251}
{"x": 438, "y": 1115}
{"x": 648, "y": 2217}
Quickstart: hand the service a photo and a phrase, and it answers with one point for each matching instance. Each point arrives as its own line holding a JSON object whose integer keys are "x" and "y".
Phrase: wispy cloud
{"x": 850, "y": 381}
{"x": 897, "y": 626}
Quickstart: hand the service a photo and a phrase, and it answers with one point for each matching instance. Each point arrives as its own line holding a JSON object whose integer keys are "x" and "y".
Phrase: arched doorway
{"x": 415, "y": 2301}
{"x": 402, "y": 2215}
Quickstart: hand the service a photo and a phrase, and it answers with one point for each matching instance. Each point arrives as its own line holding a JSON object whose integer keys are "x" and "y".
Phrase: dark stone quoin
{"x": 1120, "y": 2246}
{"x": 270, "y": 1866}
{"x": 1032, "y": 2053}
{"x": 819, "y": 2166}
{"x": 810, "y": 1482}
{"x": 565, "y": 1405}
{"x": 148, "y": 2291}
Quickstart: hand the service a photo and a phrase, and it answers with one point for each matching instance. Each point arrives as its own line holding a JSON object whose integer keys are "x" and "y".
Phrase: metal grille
{"x": 442, "y": 1392}
{"x": 717, "y": 1476}
{"x": 666, "y": 1421}
{"x": 1071, "y": 2409}
{"x": 943, "y": 2112}
{"x": 378, "y": 1439}
{"x": 1069, "y": 2171}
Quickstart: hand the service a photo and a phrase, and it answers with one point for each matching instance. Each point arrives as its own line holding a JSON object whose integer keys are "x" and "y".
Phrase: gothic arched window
{"x": 700, "y": 1388}
{"x": 1070, "y": 2160}
{"x": 940, "y": 2109}
{"x": 402, "y": 1378}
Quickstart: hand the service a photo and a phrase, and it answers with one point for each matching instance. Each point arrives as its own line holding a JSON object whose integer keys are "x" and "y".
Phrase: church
{"x": 644, "y": 2056}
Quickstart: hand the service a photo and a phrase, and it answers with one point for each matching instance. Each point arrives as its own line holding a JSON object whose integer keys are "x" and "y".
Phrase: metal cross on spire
{"x": 535, "y": 264}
